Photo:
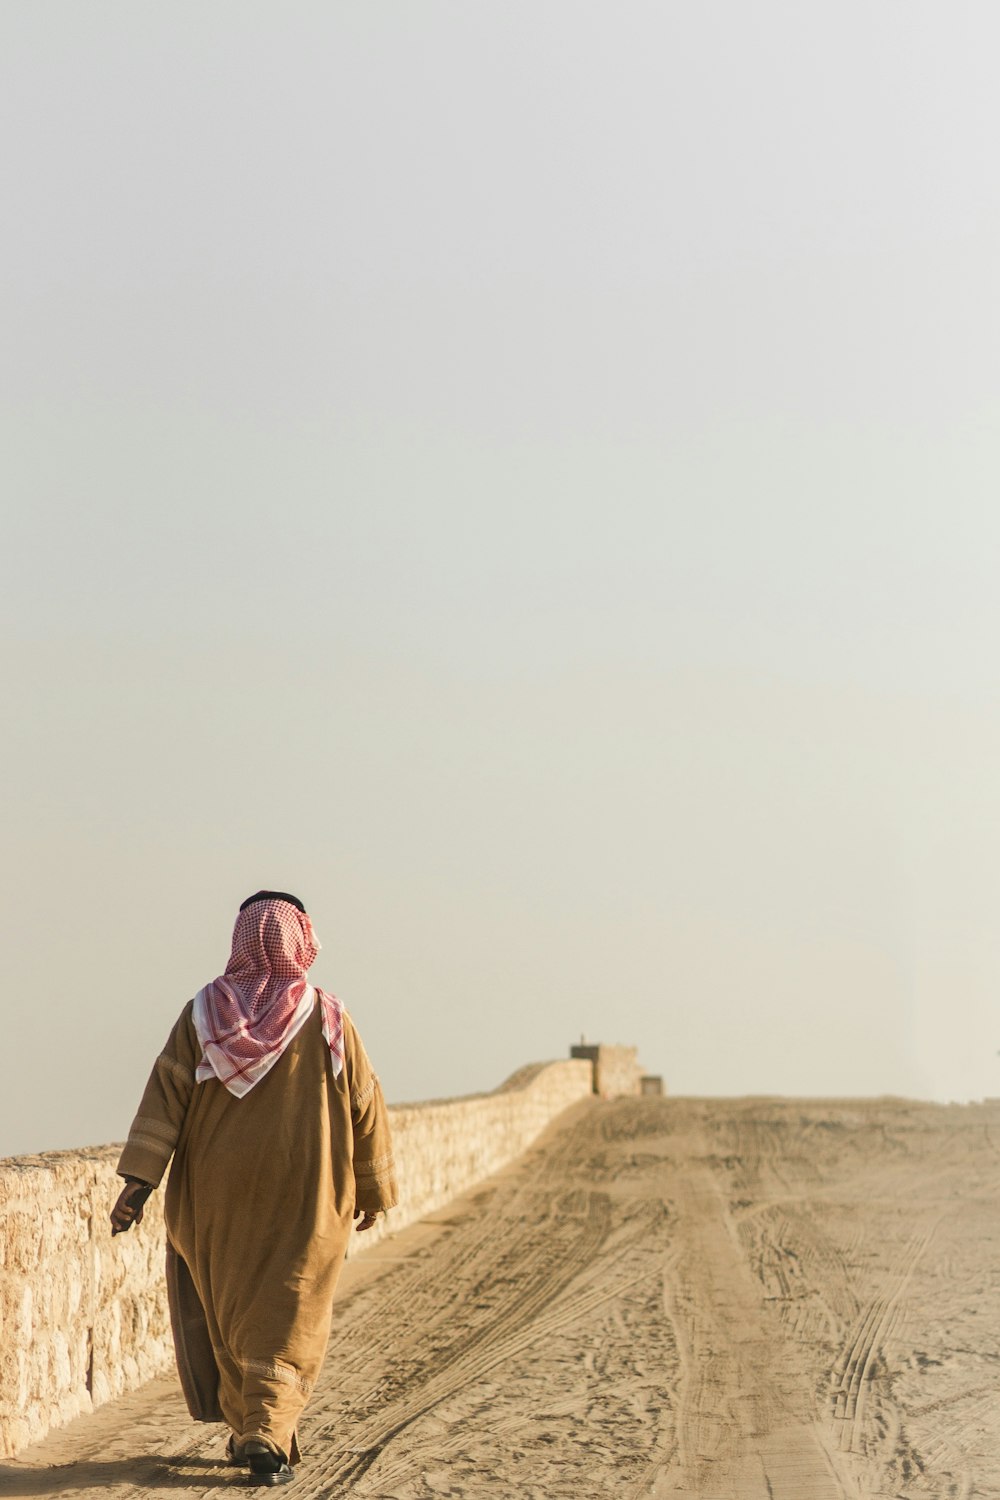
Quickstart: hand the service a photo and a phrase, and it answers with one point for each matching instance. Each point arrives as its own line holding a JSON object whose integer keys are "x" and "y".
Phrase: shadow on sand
{"x": 184, "y": 1472}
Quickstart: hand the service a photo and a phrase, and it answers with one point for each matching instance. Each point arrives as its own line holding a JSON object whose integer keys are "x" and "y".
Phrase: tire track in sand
{"x": 745, "y": 1424}
{"x": 856, "y": 1363}
{"x": 478, "y": 1345}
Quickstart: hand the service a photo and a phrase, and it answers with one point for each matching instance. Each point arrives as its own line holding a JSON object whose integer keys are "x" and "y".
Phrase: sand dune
{"x": 728, "y": 1299}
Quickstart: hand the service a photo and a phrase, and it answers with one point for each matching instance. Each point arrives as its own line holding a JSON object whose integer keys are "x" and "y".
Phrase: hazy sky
{"x": 523, "y": 476}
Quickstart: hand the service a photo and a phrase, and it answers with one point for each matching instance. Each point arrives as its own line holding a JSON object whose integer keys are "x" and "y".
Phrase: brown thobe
{"x": 259, "y": 1206}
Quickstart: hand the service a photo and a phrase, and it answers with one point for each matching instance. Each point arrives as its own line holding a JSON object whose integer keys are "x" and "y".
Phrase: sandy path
{"x": 728, "y": 1299}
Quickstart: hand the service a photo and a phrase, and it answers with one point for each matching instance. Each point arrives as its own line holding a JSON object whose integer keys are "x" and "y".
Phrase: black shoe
{"x": 261, "y": 1475}
{"x": 266, "y": 1466}
{"x": 281, "y": 1475}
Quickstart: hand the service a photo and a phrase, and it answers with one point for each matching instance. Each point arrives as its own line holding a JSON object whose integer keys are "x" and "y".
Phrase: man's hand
{"x": 127, "y": 1211}
{"x": 367, "y": 1220}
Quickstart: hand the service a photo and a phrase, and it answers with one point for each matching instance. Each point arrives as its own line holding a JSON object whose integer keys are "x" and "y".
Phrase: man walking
{"x": 266, "y": 1101}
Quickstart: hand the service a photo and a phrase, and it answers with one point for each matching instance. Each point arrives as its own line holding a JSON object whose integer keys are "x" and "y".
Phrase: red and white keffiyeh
{"x": 246, "y": 1018}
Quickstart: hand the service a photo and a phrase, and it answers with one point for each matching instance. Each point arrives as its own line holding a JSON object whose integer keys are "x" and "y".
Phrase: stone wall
{"x": 442, "y": 1148}
{"x": 83, "y": 1317}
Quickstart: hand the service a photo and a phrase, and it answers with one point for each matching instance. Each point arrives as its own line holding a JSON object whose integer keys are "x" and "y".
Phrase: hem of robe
{"x": 197, "y": 1367}
{"x": 294, "y": 1454}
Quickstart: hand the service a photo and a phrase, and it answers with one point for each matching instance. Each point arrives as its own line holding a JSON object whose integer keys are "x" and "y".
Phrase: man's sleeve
{"x": 164, "y": 1104}
{"x": 374, "y": 1168}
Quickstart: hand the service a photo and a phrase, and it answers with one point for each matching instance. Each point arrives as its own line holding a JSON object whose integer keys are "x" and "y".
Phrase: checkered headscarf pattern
{"x": 246, "y": 1018}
